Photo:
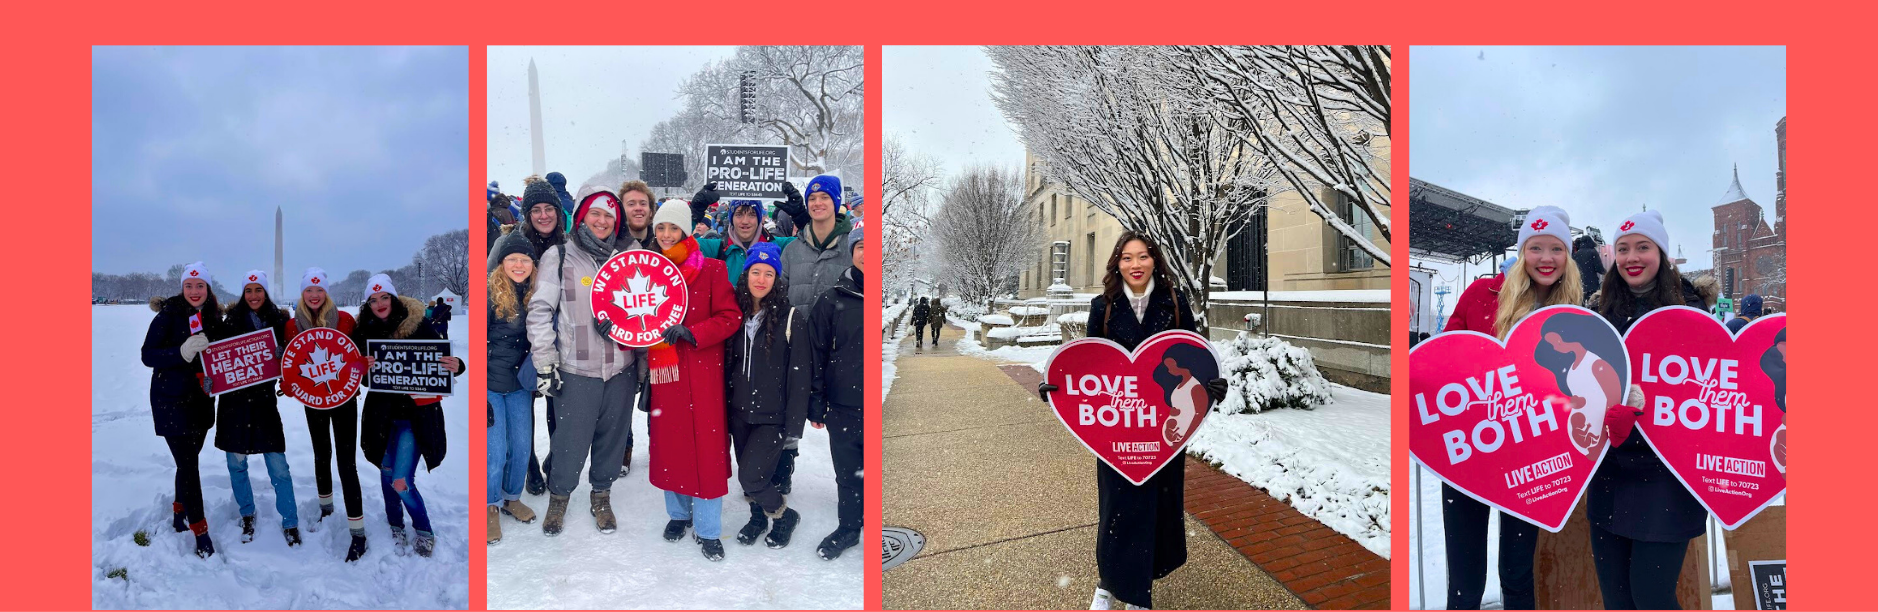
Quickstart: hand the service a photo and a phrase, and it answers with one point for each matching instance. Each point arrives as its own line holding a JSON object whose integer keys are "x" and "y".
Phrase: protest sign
{"x": 1137, "y": 410}
{"x": 409, "y": 367}
{"x": 641, "y": 293}
{"x": 1518, "y": 425}
{"x": 747, "y": 172}
{"x": 241, "y": 362}
{"x": 322, "y": 368}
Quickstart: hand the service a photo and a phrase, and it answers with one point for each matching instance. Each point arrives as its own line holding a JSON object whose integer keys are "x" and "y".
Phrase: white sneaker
{"x": 1103, "y": 600}
{"x": 1135, "y": 607}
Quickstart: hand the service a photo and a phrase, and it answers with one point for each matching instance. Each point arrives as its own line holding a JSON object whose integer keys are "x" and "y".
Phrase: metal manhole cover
{"x": 897, "y": 544}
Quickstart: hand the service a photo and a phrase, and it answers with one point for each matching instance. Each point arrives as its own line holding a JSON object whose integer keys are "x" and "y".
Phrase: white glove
{"x": 194, "y": 345}
{"x": 1636, "y": 397}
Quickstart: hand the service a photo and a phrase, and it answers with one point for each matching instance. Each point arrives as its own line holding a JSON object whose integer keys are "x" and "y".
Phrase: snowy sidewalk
{"x": 1006, "y": 500}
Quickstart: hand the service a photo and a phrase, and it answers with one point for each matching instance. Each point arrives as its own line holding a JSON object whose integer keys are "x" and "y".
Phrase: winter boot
{"x": 400, "y": 540}
{"x": 357, "y": 549}
{"x": 205, "y": 547}
{"x": 713, "y": 549}
{"x": 495, "y": 525}
{"x": 754, "y": 529}
{"x": 293, "y": 536}
{"x": 838, "y": 542}
{"x": 177, "y": 520}
{"x": 557, "y": 509}
{"x": 675, "y": 530}
{"x": 785, "y": 470}
{"x": 783, "y": 528}
{"x": 602, "y": 508}
{"x": 326, "y": 507}
{"x": 247, "y": 529}
{"x": 425, "y": 543}
{"x": 536, "y": 482}
{"x": 519, "y": 511}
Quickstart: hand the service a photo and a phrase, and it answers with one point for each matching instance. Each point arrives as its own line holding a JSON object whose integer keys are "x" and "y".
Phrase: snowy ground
{"x": 132, "y": 486}
{"x": 890, "y": 349}
{"x": 635, "y": 567}
{"x": 1332, "y": 463}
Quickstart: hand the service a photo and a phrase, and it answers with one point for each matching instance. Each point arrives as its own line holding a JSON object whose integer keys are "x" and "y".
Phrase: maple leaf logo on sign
{"x": 640, "y": 298}
{"x": 322, "y": 366}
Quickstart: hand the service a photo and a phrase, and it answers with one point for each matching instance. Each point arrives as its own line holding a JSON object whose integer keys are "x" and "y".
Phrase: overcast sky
{"x": 363, "y": 148}
{"x": 1600, "y": 131}
{"x": 593, "y": 101}
{"x": 938, "y": 103}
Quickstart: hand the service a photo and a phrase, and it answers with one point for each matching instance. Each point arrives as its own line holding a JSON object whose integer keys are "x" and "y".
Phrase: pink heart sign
{"x": 1137, "y": 410}
{"x": 1714, "y": 406}
{"x": 1518, "y": 425}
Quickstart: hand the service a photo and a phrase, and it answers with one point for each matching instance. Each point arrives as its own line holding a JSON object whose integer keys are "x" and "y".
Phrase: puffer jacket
{"x": 178, "y": 404}
{"x": 839, "y": 379}
{"x": 248, "y": 421}
{"x": 811, "y": 272}
{"x": 769, "y": 382}
{"x": 507, "y": 345}
{"x": 561, "y": 330}
{"x": 381, "y": 408}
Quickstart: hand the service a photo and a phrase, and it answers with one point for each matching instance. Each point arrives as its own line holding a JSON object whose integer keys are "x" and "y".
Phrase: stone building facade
{"x": 1751, "y": 255}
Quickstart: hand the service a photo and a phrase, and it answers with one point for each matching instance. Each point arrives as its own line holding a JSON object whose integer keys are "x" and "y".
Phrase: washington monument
{"x": 534, "y": 119}
{"x": 280, "y": 282}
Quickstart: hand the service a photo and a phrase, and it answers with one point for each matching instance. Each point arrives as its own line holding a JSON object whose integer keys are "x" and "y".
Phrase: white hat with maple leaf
{"x": 254, "y": 277}
{"x": 1546, "y": 221}
{"x": 198, "y": 271}
{"x": 314, "y": 277}
{"x": 380, "y": 283}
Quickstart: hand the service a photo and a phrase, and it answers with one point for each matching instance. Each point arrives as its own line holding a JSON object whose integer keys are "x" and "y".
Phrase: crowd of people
{"x": 770, "y": 342}
{"x": 1641, "y": 516}
{"x": 397, "y": 428}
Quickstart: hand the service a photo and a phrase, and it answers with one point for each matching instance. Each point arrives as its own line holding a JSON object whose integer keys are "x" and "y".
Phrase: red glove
{"x": 1620, "y": 420}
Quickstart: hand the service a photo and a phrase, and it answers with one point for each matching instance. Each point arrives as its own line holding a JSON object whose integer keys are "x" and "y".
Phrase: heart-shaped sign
{"x": 1518, "y": 425}
{"x": 1137, "y": 410}
{"x": 1714, "y": 406}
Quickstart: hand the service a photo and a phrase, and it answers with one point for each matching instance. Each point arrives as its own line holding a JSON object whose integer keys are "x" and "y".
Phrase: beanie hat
{"x": 602, "y": 198}
{"x": 827, "y": 183}
{"x": 739, "y": 205}
{"x": 255, "y": 277}
{"x": 492, "y": 191}
{"x": 1545, "y": 221}
{"x": 557, "y": 180}
{"x": 855, "y": 238}
{"x": 676, "y": 212}
{"x": 766, "y": 253}
{"x": 510, "y": 244}
{"x": 314, "y": 277}
{"x": 1649, "y": 223}
{"x": 1751, "y": 305}
{"x": 198, "y": 271}
{"x": 380, "y": 282}
{"x": 539, "y": 192}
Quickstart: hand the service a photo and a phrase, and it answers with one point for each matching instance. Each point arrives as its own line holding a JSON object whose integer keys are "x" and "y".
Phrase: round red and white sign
{"x": 641, "y": 293}
{"x": 322, "y": 368}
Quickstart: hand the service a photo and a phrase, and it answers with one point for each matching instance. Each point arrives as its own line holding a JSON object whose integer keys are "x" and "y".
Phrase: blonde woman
{"x": 511, "y": 405}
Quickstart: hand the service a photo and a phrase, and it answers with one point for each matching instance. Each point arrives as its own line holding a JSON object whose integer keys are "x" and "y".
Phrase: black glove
{"x": 678, "y": 332}
{"x": 548, "y": 384}
{"x": 645, "y": 395}
{"x": 789, "y": 191}
{"x": 1216, "y": 389}
{"x": 492, "y": 414}
{"x": 605, "y": 328}
{"x": 1043, "y": 391}
{"x": 701, "y": 202}
{"x": 280, "y": 392}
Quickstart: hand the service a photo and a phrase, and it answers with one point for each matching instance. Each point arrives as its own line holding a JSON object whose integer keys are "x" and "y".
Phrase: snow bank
{"x": 1268, "y": 373}
{"x": 132, "y": 487}
{"x": 996, "y": 319}
{"x": 1080, "y": 317}
{"x": 1332, "y": 463}
{"x": 1344, "y": 296}
{"x": 1029, "y": 311}
{"x": 890, "y": 350}
{"x": 1038, "y": 331}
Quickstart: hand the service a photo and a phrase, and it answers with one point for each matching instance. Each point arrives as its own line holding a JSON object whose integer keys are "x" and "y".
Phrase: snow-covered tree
{"x": 1321, "y": 112}
{"x": 807, "y": 96}
{"x": 983, "y": 232}
{"x": 1120, "y": 128}
{"x": 445, "y": 262}
{"x": 907, "y": 182}
{"x": 686, "y": 134}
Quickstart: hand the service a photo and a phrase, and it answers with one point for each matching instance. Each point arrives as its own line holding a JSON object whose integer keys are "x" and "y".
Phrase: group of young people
{"x": 770, "y": 341}
{"x": 1642, "y": 518}
{"x": 397, "y": 428}
{"x": 928, "y": 313}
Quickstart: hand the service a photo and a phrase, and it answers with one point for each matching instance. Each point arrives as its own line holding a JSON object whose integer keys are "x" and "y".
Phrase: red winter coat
{"x": 1477, "y": 306}
{"x": 690, "y": 441}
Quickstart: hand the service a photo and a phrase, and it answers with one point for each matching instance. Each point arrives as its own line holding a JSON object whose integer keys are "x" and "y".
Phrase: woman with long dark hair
{"x": 1642, "y": 518}
{"x": 397, "y": 429}
{"x": 1585, "y": 361}
{"x": 1140, "y": 533}
{"x": 182, "y": 410}
{"x": 248, "y": 422}
{"x": 1542, "y": 275}
{"x": 770, "y": 362}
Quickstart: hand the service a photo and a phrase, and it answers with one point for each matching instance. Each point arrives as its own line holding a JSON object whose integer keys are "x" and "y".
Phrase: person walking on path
{"x": 921, "y": 313}
{"x": 937, "y": 320}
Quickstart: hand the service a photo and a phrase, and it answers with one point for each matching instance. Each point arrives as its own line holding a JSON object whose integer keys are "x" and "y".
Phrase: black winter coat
{"x": 839, "y": 380}
{"x": 508, "y": 345}
{"x": 921, "y": 314}
{"x": 248, "y": 420}
{"x": 769, "y": 384}
{"x": 1141, "y": 535}
{"x": 178, "y": 405}
{"x": 381, "y": 408}
{"x": 1633, "y": 494}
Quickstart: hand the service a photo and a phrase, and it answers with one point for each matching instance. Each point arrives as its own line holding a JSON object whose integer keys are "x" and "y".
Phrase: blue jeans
{"x": 509, "y": 443}
{"x": 276, "y": 473}
{"x": 400, "y": 464}
{"x": 709, "y": 513}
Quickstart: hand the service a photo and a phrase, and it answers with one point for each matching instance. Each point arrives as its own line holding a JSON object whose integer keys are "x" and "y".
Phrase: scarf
{"x": 662, "y": 359}
{"x": 842, "y": 227}
{"x": 599, "y": 249}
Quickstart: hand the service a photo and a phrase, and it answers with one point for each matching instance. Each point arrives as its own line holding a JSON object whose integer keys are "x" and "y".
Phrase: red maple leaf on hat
{"x": 1539, "y": 224}
{"x": 377, "y": 288}
{"x": 194, "y": 273}
{"x": 1627, "y": 225}
{"x": 316, "y": 280}
{"x": 253, "y": 277}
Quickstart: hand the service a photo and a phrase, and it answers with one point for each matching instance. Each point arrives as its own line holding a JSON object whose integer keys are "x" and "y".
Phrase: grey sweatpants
{"x": 592, "y": 419}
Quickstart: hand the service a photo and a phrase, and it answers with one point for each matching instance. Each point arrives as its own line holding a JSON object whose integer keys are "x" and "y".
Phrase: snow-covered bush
{"x": 1268, "y": 373}
{"x": 996, "y": 319}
